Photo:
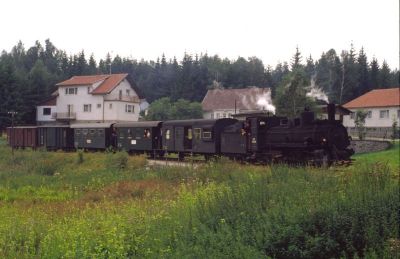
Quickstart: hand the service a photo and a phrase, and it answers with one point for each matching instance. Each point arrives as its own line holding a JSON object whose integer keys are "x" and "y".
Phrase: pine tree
{"x": 363, "y": 76}
{"x": 374, "y": 74}
{"x": 384, "y": 75}
{"x": 92, "y": 67}
{"x": 296, "y": 59}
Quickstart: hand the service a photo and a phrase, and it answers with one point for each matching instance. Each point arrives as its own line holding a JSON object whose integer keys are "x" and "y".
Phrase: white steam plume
{"x": 264, "y": 101}
{"x": 316, "y": 92}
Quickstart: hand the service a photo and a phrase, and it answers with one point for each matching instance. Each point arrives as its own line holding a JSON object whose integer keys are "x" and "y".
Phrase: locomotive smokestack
{"x": 331, "y": 111}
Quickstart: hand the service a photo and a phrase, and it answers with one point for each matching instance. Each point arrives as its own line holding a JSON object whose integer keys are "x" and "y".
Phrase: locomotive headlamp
{"x": 324, "y": 140}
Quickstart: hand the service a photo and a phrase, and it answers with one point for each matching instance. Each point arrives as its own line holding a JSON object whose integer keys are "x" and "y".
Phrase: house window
{"x": 87, "y": 107}
{"x": 129, "y": 108}
{"x": 212, "y": 115}
{"x": 398, "y": 114}
{"x": 224, "y": 115}
{"x": 218, "y": 115}
{"x": 369, "y": 114}
{"x": 88, "y": 90}
{"x": 229, "y": 115}
{"x": 99, "y": 105}
{"x": 384, "y": 114}
{"x": 352, "y": 115}
{"x": 46, "y": 111}
{"x": 127, "y": 92}
{"x": 71, "y": 90}
{"x": 110, "y": 106}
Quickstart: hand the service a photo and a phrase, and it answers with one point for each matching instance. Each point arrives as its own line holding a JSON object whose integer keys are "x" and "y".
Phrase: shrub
{"x": 47, "y": 166}
{"x": 118, "y": 160}
{"x": 80, "y": 158}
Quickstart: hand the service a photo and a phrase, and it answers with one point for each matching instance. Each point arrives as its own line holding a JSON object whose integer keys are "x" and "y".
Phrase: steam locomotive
{"x": 254, "y": 139}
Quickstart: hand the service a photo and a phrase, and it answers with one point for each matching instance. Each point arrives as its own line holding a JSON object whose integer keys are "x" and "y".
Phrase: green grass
{"x": 390, "y": 157}
{"x": 100, "y": 205}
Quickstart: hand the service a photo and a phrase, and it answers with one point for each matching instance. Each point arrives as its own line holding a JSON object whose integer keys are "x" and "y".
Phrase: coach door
{"x": 179, "y": 138}
{"x": 168, "y": 140}
{"x": 187, "y": 142}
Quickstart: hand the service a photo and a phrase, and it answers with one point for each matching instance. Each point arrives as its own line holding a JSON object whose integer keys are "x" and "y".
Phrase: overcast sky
{"x": 268, "y": 29}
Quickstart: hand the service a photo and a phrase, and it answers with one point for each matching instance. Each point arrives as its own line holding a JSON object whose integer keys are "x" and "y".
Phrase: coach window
{"x": 167, "y": 134}
{"x": 190, "y": 134}
{"x": 197, "y": 133}
{"x": 92, "y": 131}
{"x": 207, "y": 134}
{"x": 77, "y": 132}
{"x": 284, "y": 122}
{"x": 147, "y": 133}
{"x": 84, "y": 131}
{"x": 100, "y": 132}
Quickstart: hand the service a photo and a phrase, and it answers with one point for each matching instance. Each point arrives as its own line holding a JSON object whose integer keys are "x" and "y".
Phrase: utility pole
{"x": 12, "y": 113}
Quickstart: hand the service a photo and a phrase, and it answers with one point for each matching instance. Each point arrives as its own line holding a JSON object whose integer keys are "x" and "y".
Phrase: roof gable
{"x": 109, "y": 83}
{"x": 82, "y": 80}
{"x": 243, "y": 99}
{"x": 376, "y": 98}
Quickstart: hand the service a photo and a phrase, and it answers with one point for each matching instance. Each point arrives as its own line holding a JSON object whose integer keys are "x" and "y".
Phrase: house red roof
{"x": 52, "y": 101}
{"x": 245, "y": 98}
{"x": 82, "y": 80}
{"x": 376, "y": 98}
{"x": 108, "y": 82}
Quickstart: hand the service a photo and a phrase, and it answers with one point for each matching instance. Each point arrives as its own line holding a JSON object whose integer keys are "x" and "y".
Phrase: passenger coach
{"x": 139, "y": 137}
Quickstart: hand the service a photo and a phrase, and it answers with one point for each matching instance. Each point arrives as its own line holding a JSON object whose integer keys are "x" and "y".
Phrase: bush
{"x": 118, "y": 160}
{"x": 47, "y": 166}
{"x": 80, "y": 156}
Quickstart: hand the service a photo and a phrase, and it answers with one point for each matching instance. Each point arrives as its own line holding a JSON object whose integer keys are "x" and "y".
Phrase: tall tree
{"x": 363, "y": 75}
{"x": 291, "y": 93}
{"x": 374, "y": 74}
{"x": 296, "y": 59}
{"x": 384, "y": 77}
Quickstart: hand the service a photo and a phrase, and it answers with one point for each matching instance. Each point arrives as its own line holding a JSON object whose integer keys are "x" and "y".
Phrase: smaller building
{"x": 224, "y": 103}
{"x": 46, "y": 111}
{"x": 382, "y": 107}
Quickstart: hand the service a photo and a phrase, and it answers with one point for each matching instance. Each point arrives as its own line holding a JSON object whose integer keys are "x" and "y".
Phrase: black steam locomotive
{"x": 255, "y": 139}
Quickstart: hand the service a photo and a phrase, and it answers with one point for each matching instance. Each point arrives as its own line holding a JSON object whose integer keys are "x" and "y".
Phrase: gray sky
{"x": 267, "y": 29}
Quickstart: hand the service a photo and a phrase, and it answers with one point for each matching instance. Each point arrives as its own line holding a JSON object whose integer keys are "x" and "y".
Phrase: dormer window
{"x": 127, "y": 92}
{"x": 71, "y": 90}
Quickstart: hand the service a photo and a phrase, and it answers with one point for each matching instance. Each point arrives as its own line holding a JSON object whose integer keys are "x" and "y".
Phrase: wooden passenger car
{"x": 22, "y": 136}
{"x": 201, "y": 136}
{"x": 54, "y": 137}
{"x": 141, "y": 136}
{"x": 94, "y": 135}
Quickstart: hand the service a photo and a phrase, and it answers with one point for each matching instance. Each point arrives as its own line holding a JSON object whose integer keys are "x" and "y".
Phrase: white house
{"x": 46, "y": 111}
{"x": 98, "y": 98}
{"x": 223, "y": 103}
{"x": 383, "y": 108}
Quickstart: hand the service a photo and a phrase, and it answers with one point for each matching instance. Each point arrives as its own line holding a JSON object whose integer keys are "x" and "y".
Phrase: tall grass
{"x": 100, "y": 209}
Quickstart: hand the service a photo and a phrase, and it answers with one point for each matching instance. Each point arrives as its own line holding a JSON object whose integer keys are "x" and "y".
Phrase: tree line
{"x": 29, "y": 75}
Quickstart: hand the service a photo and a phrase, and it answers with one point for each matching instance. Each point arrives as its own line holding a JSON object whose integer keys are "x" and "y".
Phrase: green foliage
{"x": 359, "y": 122}
{"x": 291, "y": 94}
{"x": 165, "y": 109}
{"x": 395, "y": 131}
{"x": 117, "y": 160}
{"x": 80, "y": 157}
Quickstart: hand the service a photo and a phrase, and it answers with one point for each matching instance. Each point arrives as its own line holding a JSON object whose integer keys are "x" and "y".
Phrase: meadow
{"x": 111, "y": 205}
